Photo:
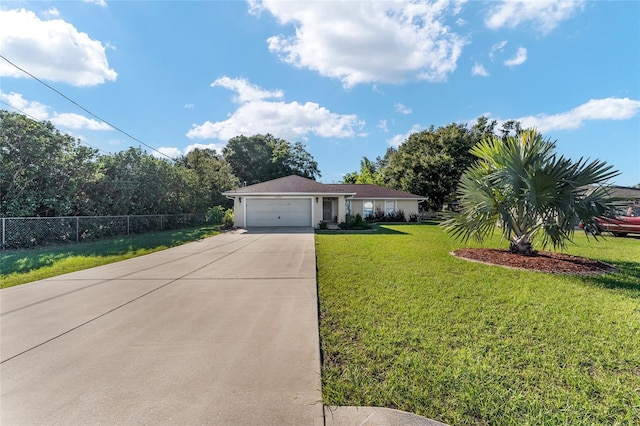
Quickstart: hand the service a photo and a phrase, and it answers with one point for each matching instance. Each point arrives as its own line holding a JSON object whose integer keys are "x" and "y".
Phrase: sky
{"x": 348, "y": 79}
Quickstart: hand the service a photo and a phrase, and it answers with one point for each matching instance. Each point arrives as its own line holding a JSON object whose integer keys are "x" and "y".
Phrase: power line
{"x": 34, "y": 118}
{"x": 86, "y": 110}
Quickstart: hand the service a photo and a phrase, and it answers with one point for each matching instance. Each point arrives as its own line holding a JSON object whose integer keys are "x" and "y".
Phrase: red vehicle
{"x": 627, "y": 221}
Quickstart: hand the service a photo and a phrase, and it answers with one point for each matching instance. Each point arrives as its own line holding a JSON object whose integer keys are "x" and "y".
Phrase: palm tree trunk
{"x": 522, "y": 245}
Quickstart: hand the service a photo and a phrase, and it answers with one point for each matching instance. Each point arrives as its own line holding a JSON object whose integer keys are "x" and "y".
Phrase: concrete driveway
{"x": 219, "y": 331}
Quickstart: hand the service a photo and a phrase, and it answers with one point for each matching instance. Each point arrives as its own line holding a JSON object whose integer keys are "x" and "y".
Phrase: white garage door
{"x": 279, "y": 212}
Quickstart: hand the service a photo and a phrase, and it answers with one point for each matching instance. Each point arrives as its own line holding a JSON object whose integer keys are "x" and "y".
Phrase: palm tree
{"x": 519, "y": 184}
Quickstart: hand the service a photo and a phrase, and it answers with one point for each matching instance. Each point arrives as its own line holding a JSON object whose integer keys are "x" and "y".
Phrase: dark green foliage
{"x": 46, "y": 173}
{"x": 354, "y": 222}
{"x": 215, "y": 215}
{"x": 521, "y": 184}
{"x": 381, "y": 216}
{"x": 42, "y": 171}
{"x": 322, "y": 225}
{"x": 260, "y": 158}
{"x": 431, "y": 162}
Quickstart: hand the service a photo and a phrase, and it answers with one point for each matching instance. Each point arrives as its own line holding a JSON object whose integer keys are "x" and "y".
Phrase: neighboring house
{"x": 628, "y": 196}
{"x": 298, "y": 201}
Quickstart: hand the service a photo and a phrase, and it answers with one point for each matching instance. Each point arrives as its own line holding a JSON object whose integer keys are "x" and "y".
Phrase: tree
{"x": 260, "y": 158}
{"x": 370, "y": 172}
{"x": 430, "y": 162}
{"x": 42, "y": 172}
{"x": 521, "y": 184}
{"x": 213, "y": 173}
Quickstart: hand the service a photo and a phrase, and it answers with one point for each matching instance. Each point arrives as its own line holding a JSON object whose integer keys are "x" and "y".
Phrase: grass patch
{"x": 23, "y": 266}
{"x": 405, "y": 325}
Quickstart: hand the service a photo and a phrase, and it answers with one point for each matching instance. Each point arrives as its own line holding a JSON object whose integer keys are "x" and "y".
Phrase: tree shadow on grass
{"x": 626, "y": 278}
{"x": 375, "y": 230}
{"x": 26, "y": 260}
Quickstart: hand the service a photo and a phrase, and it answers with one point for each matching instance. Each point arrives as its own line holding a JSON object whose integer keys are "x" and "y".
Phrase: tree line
{"x": 431, "y": 162}
{"x": 44, "y": 172}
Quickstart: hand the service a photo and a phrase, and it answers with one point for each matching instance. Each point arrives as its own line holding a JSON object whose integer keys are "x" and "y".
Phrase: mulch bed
{"x": 555, "y": 263}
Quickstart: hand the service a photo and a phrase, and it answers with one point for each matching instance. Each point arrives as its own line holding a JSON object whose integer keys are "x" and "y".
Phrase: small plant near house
{"x": 227, "y": 220}
{"x": 381, "y": 216}
{"x": 215, "y": 215}
{"x": 354, "y": 222}
{"x": 413, "y": 217}
{"x": 322, "y": 225}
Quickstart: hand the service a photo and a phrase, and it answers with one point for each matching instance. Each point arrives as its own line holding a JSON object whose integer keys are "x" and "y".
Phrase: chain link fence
{"x": 29, "y": 232}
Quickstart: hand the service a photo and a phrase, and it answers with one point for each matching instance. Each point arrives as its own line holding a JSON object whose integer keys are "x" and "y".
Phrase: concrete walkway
{"x": 219, "y": 331}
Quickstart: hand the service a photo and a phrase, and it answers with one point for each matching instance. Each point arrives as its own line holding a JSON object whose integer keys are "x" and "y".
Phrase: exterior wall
{"x": 238, "y": 213}
{"x": 317, "y": 211}
{"x": 342, "y": 215}
{"x": 408, "y": 207}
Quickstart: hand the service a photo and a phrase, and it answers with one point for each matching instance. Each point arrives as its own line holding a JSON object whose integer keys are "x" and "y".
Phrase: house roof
{"x": 297, "y": 185}
{"x": 625, "y": 192}
{"x": 374, "y": 191}
{"x": 287, "y": 185}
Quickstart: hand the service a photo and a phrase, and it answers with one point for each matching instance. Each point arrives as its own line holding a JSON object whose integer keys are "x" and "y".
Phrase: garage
{"x": 278, "y": 212}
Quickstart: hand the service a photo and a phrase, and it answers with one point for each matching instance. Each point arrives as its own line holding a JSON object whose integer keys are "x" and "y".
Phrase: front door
{"x": 327, "y": 215}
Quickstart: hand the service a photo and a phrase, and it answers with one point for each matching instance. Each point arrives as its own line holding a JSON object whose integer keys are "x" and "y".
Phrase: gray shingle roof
{"x": 374, "y": 191}
{"x": 299, "y": 185}
{"x": 287, "y": 185}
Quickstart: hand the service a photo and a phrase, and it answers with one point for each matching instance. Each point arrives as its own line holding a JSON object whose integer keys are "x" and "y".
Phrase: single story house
{"x": 297, "y": 201}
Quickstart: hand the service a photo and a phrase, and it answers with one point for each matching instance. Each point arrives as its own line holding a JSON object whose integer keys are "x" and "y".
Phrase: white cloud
{"x": 479, "y": 69}
{"x": 163, "y": 152}
{"x": 34, "y": 109}
{"x": 51, "y": 50}
{"x": 256, "y": 114}
{"x": 397, "y": 140}
{"x": 245, "y": 91}
{"x": 70, "y": 120}
{"x": 402, "y": 109}
{"x": 382, "y": 125}
{"x": 52, "y": 13}
{"x": 189, "y": 106}
{"x": 519, "y": 59}
{"x": 543, "y": 15}
{"x": 497, "y": 47}
{"x": 67, "y": 120}
{"x": 594, "y": 109}
{"x": 102, "y": 3}
{"x": 367, "y": 42}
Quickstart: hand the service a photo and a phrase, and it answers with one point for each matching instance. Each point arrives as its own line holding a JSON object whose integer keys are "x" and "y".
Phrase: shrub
{"x": 354, "y": 222}
{"x": 215, "y": 215}
{"x": 322, "y": 225}
{"x": 227, "y": 220}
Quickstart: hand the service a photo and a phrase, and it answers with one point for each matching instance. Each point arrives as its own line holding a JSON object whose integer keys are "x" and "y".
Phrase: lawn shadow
{"x": 626, "y": 278}
{"x": 375, "y": 230}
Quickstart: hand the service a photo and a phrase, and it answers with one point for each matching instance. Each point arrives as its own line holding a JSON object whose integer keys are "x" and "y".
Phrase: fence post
{"x": 4, "y": 239}
{"x": 161, "y": 227}
{"x": 127, "y": 224}
{"x": 77, "y": 229}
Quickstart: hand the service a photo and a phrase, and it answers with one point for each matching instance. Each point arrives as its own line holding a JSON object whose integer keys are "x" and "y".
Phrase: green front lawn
{"x": 403, "y": 324}
{"x": 23, "y": 266}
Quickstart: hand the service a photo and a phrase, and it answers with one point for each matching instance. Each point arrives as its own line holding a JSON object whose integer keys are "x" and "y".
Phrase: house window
{"x": 367, "y": 208}
{"x": 347, "y": 207}
{"x": 389, "y": 207}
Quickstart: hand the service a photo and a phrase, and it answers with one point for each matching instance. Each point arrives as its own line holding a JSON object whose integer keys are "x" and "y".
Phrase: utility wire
{"x": 85, "y": 109}
{"x": 34, "y": 118}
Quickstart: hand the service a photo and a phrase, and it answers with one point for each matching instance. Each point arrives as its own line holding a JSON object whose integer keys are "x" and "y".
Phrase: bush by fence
{"x": 28, "y": 232}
